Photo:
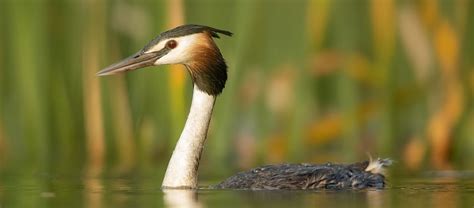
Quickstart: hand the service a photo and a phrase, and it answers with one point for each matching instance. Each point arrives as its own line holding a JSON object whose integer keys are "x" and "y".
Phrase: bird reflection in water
{"x": 181, "y": 198}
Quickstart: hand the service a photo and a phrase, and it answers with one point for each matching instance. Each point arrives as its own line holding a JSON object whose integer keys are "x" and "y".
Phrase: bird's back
{"x": 309, "y": 176}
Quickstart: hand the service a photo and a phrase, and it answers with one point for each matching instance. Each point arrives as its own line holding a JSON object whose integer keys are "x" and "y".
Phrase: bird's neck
{"x": 182, "y": 171}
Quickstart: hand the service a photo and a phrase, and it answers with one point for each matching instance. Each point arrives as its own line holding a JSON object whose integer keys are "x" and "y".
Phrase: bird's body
{"x": 307, "y": 176}
{"x": 194, "y": 47}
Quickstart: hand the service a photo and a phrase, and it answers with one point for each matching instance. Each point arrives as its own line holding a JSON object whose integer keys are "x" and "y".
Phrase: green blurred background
{"x": 309, "y": 81}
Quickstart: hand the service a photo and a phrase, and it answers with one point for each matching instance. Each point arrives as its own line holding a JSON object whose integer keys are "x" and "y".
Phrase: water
{"x": 435, "y": 189}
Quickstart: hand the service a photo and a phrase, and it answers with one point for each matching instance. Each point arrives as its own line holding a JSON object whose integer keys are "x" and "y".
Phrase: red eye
{"x": 171, "y": 44}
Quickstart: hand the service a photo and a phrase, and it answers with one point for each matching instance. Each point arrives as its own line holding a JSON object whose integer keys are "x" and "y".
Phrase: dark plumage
{"x": 209, "y": 70}
{"x": 308, "y": 176}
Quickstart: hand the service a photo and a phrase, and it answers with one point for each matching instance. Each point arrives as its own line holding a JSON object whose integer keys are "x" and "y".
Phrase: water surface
{"x": 435, "y": 189}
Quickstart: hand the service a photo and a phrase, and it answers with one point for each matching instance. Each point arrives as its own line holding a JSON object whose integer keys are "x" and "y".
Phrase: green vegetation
{"x": 309, "y": 81}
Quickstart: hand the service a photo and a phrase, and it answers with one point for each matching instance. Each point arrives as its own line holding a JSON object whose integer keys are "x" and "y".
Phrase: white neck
{"x": 183, "y": 166}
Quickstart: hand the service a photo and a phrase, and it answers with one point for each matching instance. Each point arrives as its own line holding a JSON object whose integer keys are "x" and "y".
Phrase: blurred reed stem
{"x": 345, "y": 88}
{"x": 3, "y": 85}
{"x": 27, "y": 38}
{"x": 93, "y": 39}
{"x": 123, "y": 135}
{"x": 298, "y": 79}
{"x": 176, "y": 84}
{"x": 382, "y": 17}
{"x": 221, "y": 146}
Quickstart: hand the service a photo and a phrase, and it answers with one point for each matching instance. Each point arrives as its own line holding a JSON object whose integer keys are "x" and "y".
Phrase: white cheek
{"x": 175, "y": 56}
{"x": 180, "y": 54}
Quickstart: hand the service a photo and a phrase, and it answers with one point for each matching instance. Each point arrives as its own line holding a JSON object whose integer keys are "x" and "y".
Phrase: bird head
{"x": 191, "y": 45}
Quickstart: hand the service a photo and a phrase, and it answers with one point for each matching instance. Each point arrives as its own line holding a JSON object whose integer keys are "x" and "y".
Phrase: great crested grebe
{"x": 194, "y": 47}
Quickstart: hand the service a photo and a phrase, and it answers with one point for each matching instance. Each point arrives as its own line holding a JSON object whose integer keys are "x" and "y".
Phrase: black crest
{"x": 184, "y": 30}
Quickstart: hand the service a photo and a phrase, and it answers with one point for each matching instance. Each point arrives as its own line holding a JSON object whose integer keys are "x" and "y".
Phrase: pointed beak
{"x": 136, "y": 61}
